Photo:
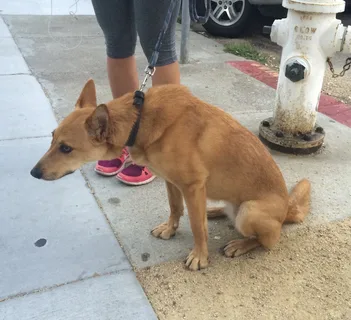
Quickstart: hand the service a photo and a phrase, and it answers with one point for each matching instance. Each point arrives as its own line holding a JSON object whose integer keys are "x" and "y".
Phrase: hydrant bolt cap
{"x": 319, "y": 130}
{"x": 265, "y": 123}
{"x": 279, "y": 134}
{"x": 295, "y": 71}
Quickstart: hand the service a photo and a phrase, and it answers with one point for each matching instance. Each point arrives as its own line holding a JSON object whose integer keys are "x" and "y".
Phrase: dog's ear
{"x": 87, "y": 97}
{"x": 98, "y": 122}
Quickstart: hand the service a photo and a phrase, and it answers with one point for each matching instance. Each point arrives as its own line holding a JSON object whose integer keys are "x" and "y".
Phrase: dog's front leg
{"x": 175, "y": 199}
{"x": 195, "y": 198}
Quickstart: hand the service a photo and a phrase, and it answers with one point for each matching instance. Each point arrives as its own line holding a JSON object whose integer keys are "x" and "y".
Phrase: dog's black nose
{"x": 36, "y": 172}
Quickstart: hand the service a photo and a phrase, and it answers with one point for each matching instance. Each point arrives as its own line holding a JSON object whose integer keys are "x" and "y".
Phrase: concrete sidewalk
{"x": 81, "y": 272}
{"x": 59, "y": 258}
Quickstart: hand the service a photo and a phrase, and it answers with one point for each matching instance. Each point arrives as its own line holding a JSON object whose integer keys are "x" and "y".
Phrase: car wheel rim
{"x": 227, "y": 12}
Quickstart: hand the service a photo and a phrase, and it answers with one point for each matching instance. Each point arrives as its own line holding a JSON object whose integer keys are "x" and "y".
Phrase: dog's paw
{"x": 163, "y": 231}
{"x": 236, "y": 248}
{"x": 196, "y": 260}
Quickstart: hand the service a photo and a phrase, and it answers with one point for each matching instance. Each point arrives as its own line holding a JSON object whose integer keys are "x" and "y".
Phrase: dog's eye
{"x": 65, "y": 148}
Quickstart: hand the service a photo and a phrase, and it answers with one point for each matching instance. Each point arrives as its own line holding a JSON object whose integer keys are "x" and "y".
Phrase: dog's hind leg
{"x": 216, "y": 212}
{"x": 229, "y": 210}
{"x": 168, "y": 229}
{"x": 257, "y": 221}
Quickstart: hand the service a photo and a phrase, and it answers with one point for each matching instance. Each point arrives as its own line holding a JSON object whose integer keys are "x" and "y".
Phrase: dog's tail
{"x": 299, "y": 202}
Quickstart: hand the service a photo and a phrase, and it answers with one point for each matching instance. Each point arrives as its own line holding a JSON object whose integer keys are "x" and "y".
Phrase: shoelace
{"x": 125, "y": 152}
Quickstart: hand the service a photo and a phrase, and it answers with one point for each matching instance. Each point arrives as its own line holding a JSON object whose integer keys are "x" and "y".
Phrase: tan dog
{"x": 200, "y": 151}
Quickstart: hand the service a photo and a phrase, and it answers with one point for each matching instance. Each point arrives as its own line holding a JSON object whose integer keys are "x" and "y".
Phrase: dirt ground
{"x": 306, "y": 276}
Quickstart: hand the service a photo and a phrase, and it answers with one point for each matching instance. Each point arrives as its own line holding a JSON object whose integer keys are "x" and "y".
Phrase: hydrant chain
{"x": 346, "y": 67}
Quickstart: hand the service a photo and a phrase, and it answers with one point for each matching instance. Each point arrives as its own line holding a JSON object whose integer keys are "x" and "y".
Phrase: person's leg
{"x": 167, "y": 74}
{"x": 149, "y": 18}
{"x": 122, "y": 75}
{"x": 115, "y": 18}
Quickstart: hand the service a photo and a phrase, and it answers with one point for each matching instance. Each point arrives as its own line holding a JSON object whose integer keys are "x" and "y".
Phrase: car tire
{"x": 237, "y": 29}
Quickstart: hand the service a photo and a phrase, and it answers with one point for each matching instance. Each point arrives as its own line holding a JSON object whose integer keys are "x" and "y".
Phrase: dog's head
{"x": 80, "y": 138}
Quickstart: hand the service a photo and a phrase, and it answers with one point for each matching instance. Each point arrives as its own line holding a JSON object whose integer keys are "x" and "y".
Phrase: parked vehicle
{"x": 231, "y": 18}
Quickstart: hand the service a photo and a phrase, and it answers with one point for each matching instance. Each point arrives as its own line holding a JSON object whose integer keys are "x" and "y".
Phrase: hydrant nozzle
{"x": 295, "y": 71}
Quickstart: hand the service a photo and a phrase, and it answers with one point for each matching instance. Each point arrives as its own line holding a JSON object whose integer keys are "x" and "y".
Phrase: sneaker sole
{"x": 136, "y": 183}
{"x": 106, "y": 174}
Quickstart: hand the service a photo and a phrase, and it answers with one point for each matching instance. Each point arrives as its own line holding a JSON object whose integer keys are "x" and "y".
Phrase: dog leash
{"x": 149, "y": 71}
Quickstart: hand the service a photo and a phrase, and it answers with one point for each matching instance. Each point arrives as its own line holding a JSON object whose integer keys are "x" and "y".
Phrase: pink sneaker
{"x": 135, "y": 175}
{"x": 112, "y": 167}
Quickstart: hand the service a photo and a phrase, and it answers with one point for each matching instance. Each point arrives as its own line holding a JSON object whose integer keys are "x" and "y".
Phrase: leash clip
{"x": 149, "y": 72}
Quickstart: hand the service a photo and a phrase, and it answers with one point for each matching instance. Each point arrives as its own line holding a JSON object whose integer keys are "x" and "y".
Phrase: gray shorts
{"x": 122, "y": 20}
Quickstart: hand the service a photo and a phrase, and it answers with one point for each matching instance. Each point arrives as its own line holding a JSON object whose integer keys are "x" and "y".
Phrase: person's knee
{"x": 117, "y": 48}
{"x": 117, "y": 26}
{"x": 166, "y": 55}
{"x": 119, "y": 44}
{"x": 149, "y": 27}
